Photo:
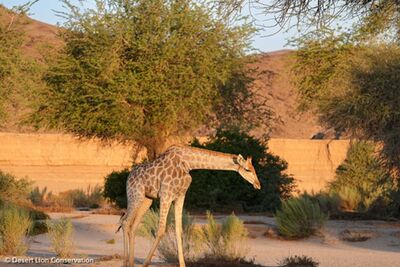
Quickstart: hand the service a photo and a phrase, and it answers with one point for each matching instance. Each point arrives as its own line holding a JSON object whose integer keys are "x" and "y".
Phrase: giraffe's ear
{"x": 241, "y": 161}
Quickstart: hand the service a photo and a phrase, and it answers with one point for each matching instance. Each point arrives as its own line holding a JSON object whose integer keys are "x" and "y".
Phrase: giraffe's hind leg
{"x": 145, "y": 205}
{"x": 126, "y": 225}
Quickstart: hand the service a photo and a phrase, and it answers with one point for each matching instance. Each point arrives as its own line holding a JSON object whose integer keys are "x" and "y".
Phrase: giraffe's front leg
{"x": 178, "y": 228}
{"x": 165, "y": 204}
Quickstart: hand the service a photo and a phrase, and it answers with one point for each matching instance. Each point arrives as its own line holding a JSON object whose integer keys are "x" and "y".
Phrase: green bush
{"x": 15, "y": 225}
{"x": 115, "y": 188}
{"x": 362, "y": 182}
{"x": 226, "y": 241}
{"x": 212, "y": 190}
{"x": 299, "y": 217}
{"x": 13, "y": 190}
{"x": 61, "y": 234}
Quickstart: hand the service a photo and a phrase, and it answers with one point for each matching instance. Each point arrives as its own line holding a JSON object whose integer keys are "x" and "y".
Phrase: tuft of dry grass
{"x": 272, "y": 233}
{"x": 15, "y": 224}
{"x": 61, "y": 234}
{"x": 110, "y": 241}
{"x": 226, "y": 241}
{"x": 356, "y": 236}
{"x": 298, "y": 261}
{"x": 221, "y": 262}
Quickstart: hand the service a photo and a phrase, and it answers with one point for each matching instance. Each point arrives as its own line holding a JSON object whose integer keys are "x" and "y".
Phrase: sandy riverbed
{"x": 93, "y": 231}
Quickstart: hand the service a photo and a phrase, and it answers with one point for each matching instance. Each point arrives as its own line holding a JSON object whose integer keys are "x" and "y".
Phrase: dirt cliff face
{"x": 62, "y": 162}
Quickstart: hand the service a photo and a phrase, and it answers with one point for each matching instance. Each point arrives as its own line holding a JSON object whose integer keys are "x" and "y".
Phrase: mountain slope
{"x": 37, "y": 34}
{"x": 282, "y": 97}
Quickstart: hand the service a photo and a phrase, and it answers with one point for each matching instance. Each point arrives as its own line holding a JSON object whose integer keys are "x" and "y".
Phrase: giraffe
{"x": 168, "y": 178}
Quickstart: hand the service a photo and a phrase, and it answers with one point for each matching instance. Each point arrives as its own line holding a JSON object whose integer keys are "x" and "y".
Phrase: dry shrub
{"x": 299, "y": 261}
{"x": 61, "y": 234}
{"x": 362, "y": 181}
{"x": 65, "y": 201}
{"x": 226, "y": 241}
{"x": 15, "y": 225}
{"x": 13, "y": 190}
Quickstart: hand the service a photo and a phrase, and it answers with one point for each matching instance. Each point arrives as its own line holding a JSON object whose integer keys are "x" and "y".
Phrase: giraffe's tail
{"x": 121, "y": 221}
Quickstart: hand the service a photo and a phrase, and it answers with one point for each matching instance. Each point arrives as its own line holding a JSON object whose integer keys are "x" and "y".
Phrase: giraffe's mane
{"x": 205, "y": 151}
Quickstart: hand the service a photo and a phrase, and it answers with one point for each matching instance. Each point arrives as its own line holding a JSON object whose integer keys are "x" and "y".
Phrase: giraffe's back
{"x": 167, "y": 174}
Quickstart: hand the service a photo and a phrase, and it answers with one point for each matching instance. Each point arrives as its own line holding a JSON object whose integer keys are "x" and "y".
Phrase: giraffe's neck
{"x": 197, "y": 158}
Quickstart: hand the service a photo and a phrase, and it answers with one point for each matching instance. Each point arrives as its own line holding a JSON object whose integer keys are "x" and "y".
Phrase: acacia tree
{"x": 140, "y": 70}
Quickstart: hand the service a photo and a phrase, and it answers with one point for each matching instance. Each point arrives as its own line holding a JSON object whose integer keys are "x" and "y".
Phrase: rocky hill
{"x": 279, "y": 90}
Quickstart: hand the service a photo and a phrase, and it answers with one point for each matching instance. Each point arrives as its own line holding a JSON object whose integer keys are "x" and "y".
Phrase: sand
{"x": 93, "y": 231}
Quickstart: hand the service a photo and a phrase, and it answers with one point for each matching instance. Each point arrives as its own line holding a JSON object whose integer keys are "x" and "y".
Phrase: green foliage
{"x": 299, "y": 261}
{"x": 15, "y": 224}
{"x": 319, "y": 60}
{"x": 61, "y": 235}
{"x": 361, "y": 181}
{"x": 115, "y": 188}
{"x": 299, "y": 217}
{"x": 212, "y": 189}
{"x": 140, "y": 70}
{"x": 20, "y": 77}
{"x": 13, "y": 190}
{"x": 167, "y": 248}
{"x": 226, "y": 241}
{"x": 37, "y": 196}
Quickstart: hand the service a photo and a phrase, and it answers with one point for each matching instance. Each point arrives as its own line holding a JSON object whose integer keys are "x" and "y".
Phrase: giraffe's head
{"x": 246, "y": 170}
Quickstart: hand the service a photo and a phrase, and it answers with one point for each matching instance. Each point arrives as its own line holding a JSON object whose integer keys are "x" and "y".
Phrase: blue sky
{"x": 265, "y": 40}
